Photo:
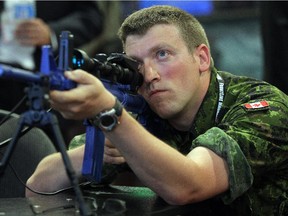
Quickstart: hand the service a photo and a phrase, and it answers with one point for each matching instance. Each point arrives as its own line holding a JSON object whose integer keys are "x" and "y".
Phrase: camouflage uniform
{"x": 251, "y": 133}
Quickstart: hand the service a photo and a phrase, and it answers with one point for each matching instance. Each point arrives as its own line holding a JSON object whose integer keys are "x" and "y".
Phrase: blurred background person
{"x": 274, "y": 28}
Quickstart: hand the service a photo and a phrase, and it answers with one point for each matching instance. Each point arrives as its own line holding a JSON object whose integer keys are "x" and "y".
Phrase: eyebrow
{"x": 153, "y": 50}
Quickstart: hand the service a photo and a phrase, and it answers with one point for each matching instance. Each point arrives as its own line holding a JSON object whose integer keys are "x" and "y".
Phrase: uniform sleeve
{"x": 253, "y": 140}
{"x": 77, "y": 141}
{"x": 240, "y": 175}
{"x": 109, "y": 171}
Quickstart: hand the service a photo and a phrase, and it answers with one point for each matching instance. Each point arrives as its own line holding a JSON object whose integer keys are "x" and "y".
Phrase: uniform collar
{"x": 205, "y": 117}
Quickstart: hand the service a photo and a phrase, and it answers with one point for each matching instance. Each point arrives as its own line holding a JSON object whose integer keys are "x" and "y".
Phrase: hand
{"x": 86, "y": 100}
{"x": 34, "y": 32}
{"x": 111, "y": 154}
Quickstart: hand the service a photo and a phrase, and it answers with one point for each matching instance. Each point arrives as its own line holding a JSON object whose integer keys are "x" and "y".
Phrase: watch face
{"x": 107, "y": 120}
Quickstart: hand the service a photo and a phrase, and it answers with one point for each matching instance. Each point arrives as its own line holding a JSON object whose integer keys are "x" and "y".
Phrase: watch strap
{"x": 118, "y": 107}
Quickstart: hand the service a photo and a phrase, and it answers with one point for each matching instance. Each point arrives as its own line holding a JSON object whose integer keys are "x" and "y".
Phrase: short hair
{"x": 139, "y": 22}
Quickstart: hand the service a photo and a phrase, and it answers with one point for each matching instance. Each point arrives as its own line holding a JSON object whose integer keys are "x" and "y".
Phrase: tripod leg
{"x": 12, "y": 144}
{"x": 84, "y": 210}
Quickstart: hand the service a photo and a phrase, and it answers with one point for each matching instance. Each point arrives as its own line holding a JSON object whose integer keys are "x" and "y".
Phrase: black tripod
{"x": 39, "y": 117}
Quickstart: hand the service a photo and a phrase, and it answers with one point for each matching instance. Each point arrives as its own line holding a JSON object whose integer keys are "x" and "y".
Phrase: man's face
{"x": 171, "y": 73}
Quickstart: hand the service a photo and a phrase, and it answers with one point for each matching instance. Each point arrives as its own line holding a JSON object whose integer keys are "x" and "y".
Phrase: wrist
{"x": 108, "y": 119}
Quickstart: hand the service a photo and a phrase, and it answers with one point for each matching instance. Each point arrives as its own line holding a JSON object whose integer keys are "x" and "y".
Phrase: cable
{"x": 4, "y": 119}
{"x": 54, "y": 192}
{"x": 23, "y": 132}
{"x": 39, "y": 192}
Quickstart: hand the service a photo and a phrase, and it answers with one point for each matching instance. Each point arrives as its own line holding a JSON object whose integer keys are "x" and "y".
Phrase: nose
{"x": 150, "y": 72}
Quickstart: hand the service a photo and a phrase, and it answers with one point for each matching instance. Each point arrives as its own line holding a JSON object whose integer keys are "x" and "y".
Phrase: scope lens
{"x": 77, "y": 63}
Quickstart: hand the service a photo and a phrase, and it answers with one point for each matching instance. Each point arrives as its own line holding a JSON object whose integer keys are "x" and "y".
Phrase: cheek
{"x": 170, "y": 71}
{"x": 184, "y": 79}
{"x": 177, "y": 73}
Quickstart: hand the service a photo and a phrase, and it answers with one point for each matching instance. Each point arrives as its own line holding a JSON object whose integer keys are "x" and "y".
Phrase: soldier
{"x": 224, "y": 137}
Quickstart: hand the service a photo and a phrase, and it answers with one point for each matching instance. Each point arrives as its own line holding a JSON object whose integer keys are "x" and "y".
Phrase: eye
{"x": 162, "y": 54}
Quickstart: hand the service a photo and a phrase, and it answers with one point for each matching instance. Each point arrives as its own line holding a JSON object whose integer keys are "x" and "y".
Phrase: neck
{"x": 184, "y": 120}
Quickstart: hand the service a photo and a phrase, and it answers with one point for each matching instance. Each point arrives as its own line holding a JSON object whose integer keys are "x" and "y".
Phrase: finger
{"x": 112, "y": 151}
{"x": 33, "y": 32}
{"x": 59, "y": 96}
{"x": 24, "y": 29}
{"x": 113, "y": 160}
{"x": 109, "y": 143}
{"x": 81, "y": 77}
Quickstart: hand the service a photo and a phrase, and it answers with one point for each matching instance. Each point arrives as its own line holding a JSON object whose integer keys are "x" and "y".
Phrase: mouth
{"x": 155, "y": 93}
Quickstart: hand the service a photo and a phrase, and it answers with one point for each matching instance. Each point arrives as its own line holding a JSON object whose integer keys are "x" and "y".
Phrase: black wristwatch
{"x": 107, "y": 120}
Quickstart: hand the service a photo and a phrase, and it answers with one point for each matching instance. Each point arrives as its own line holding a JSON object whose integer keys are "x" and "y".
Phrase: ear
{"x": 203, "y": 53}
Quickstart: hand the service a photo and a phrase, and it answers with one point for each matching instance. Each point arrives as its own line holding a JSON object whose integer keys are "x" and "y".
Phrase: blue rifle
{"x": 51, "y": 76}
{"x": 119, "y": 75}
{"x": 117, "y": 72}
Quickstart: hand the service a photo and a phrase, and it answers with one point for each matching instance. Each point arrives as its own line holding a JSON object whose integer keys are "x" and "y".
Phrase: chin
{"x": 162, "y": 109}
{"x": 164, "y": 114}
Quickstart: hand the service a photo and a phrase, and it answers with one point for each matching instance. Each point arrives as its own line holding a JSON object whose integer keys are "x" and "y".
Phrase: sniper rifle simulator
{"x": 117, "y": 72}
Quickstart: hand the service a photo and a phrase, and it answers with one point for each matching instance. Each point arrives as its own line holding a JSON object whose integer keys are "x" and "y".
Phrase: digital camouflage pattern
{"x": 77, "y": 141}
{"x": 253, "y": 141}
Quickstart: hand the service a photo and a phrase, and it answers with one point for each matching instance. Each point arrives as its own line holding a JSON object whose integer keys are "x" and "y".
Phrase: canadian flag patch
{"x": 256, "y": 105}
